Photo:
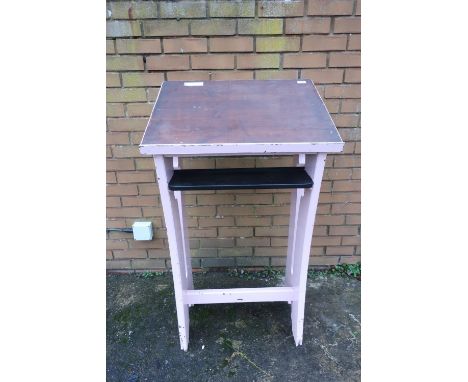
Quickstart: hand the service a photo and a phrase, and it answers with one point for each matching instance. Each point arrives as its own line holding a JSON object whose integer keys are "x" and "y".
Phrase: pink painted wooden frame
{"x": 303, "y": 208}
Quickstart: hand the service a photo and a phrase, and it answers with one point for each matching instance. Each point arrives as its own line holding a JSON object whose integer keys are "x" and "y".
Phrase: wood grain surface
{"x": 239, "y": 112}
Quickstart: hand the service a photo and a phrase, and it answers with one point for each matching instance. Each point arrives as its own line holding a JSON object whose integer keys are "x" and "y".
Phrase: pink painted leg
{"x": 303, "y": 239}
{"x": 164, "y": 171}
{"x": 296, "y": 195}
{"x": 183, "y": 224}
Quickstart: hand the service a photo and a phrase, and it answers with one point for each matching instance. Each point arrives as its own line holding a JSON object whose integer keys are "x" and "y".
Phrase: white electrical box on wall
{"x": 142, "y": 231}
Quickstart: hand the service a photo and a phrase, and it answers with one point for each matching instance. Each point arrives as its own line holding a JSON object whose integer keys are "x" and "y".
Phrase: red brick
{"x": 110, "y": 177}
{"x": 136, "y": 176}
{"x": 126, "y": 152}
{"x": 152, "y": 94}
{"x": 354, "y": 42}
{"x": 346, "y": 208}
{"x": 253, "y": 221}
{"x": 148, "y": 189}
{"x": 119, "y": 164}
{"x": 115, "y": 223}
{"x": 323, "y": 43}
{"x": 165, "y": 28}
{"x": 260, "y": 26}
{"x": 144, "y": 164}
{"x": 347, "y": 161}
{"x": 245, "y": 8}
{"x": 351, "y": 106}
{"x": 346, "y": 197}
{"x": 167, "y": 62}
{"x": 344, "y": 230}
{"x": 321, "y": 241}
{"x": 126, "y": 124}
{"x": 110, "y": 47}
{"x": 117, "y": 138}
{"x": 323, "y": 260}
{"x": 121, "y": 189}
{"x": 133, "y": 10}
{"x": 276, "y": 74}
{"x": 138, "y": 45}
{"x": 112, "y": 80}
{"x": 142, "y": 79}
{"x": 235, "y": 210}
{"x": 113, "y": 201}
{"x": 353, "y": 219}
{"x": 226, "y": 221}
{"x": 345, "y": 59}
{"x": 350, "y": 259}
{"x": 307, "y": 26}
{"x": 353, "y": 75}
{"x": 271, "y": 251}
{"x": 350, "y": 134}
{"x": 124, "y": 63}
{"x": 232, "y": 75}
{"x": 117, "y": 28}
{"x": 115, "y": 110}
{"x": 235, "y": 231}
{"x": 330, "y": 7}
{"x": 182, "y": 9}
{"x": 272, "y": 210}
{"x": 258, "y": 61}
{"x": 185, "y": 45}
{"x": 323, "y": 76}
{"x": 213, "y": 61}
{"x": 231, "y": 44}
{"x": 201, "y": 211}
{"x": 123, "y": 212}
{"x": 343, "y": 91}
{"x": 351, "y": 240}
{"x": 139, "y": 109}
{"x": 118, "y": 265}
{"x": 346, "y": 120}
{"x": 329, "y": 220}
{"x": 147, "y": 264}
{"x": 342, "y": 250}
{"x": 347, "y": 25}
{"x": 280, "y": 8}
{"x": 158, "y": 253}
{"x": 136, "y": 201}
{"x": 188, "y": 76}
{"x": 254, "y": 199}
{"x": 277, "y": 44}
{"x": 130, "y": 254}
{"x": 333, "y": 105}
{"x": 346, "y": 185}
{"x": 211, "y": 199}
{"x": 116, "y": 244}
{"x": 272, "y": 231}
{"x": 337, "y": 173}
{"x": 252, "y": 242}
{"x": 213, "y": 27}
{"x": 216, "y": 243}
{"x": 125, "y": 95}
{"x": 304, "y": 60}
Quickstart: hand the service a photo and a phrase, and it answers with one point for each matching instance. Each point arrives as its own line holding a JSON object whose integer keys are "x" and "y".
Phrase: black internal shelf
{"x": 240, "y": 178}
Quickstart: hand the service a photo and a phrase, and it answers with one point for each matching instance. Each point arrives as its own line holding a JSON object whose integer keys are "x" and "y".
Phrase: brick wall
{"x": 152, "y": 41}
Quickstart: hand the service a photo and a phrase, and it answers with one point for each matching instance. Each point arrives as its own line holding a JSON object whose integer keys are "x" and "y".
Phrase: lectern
{"x": 227, "y": 118}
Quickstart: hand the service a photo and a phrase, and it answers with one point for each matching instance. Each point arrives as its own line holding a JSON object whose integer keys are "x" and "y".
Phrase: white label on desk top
{"x": 301, "y": 82}
{"x": 193, "y": 83}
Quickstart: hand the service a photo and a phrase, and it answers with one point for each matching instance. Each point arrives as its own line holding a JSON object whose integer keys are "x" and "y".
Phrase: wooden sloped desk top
{"x": 239, "y": 118}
